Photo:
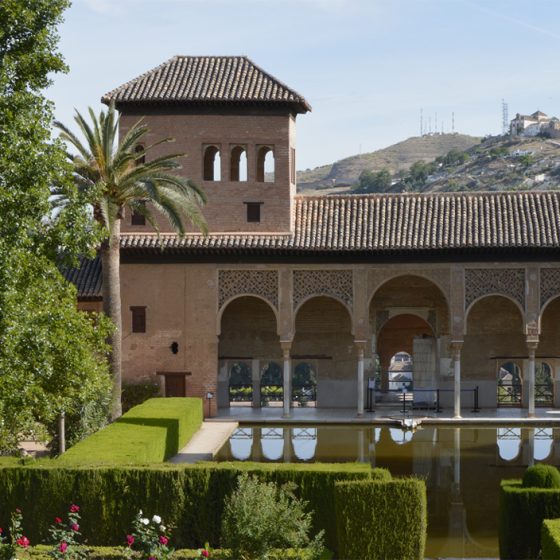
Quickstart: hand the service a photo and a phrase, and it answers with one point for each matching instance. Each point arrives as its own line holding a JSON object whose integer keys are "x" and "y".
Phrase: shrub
{"x": 522, "y": 511}
{"x": 381, "y": 519}
{"x": 134, "y": 394}
{"x": 189, "y": 497}
{"x": 541, "y": 476}
{"x": 260, "y": 516}
{"x": 148, "y": 433}
{"x": 550, "y": 539}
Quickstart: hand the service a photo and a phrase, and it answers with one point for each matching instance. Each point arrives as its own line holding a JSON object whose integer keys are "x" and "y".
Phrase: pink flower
{"x": 23, "y": 542}
{"x": 204, "y": 553}
{"x": 163, "y": 540}
{"x": 1, "y": 530}
{"x": 18, "y": 510}
{"x": 129, "y": 540}
{"x": 63, "y": 546}
{"x": 152, "y": 558}
{"x": 74, "y": 508}
{"x": 57, "y": 520}
{"x": 75, "y": 527}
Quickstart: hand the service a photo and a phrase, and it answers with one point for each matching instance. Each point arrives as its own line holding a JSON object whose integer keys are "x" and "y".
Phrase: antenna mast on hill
{"x": 421, "y": 122}
{"x": 453, "y": 123}
{"x": 505, "y": 118}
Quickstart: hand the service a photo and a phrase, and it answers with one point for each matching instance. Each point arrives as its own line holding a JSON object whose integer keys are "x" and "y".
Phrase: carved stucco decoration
{"x": 381, "y": 317}
{"x": 482, "y": 281}
{"x": 263, "y": 283}
{"x": 439, "y": 276}
{"x": 550, "y": 284}
{"x": 335, "y": 283}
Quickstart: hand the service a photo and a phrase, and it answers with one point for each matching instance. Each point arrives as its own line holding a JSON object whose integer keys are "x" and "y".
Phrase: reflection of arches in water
{"x": 509, "y": 384}
{"x": 241, "y": 444}
{"x": 543, "y": 443}
{"x": 304, "y": 441}
{"x": 272, "y": 443}
{"x": 400, "y": 436}
{"x": 509, "y": 443}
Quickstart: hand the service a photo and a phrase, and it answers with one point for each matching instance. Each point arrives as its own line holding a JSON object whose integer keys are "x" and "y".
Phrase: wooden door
{"x": 175, "y": 385}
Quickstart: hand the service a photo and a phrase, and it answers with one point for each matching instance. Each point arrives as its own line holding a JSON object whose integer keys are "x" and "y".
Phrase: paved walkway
{"x": 383, "y": 415}
{"x": 206, "y": 442}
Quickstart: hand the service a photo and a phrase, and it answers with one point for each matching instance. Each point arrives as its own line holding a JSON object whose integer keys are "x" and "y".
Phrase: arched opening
{"x": 547, "y": 351}
{"x": 323, "y": 337}
{"x": 248, "y": 341}
{"x": 544, "y": 384}
{"x": 509, "y": 443}
{"x": 402, "y": 339}
{"x": 238, "y": 164}
{"x": 272, "y": 443}
{"x": 304, "y": 385}
{"x": 410, "y": 314}
{"x": 543, "y": 443}
{"x": 272, "y": 385}
{"x": 494, "y": 336}
{"x": 304, "y": 441}
{"x": 266, "y": 167}
{"x": 212, "y": 164}
{"x": 510, "y": 385}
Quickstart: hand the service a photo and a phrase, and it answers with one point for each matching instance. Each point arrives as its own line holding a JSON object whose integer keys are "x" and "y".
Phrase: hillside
{"x": 396, "y": 158}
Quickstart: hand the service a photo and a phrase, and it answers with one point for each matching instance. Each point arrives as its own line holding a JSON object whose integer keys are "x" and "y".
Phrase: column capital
{"x": 286, "y": 346}
{"x": 361, "y": 347}
{"x": 456, "y": 346}
{"x": 532, "y": 344}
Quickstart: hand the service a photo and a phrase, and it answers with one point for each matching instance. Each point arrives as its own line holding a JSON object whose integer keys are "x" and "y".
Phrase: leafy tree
{"x": 51, "y": 355}
{"x": 260, "y": 517}
{"x": 113, "y": 177}
{"x": 374, "y": 182}
{"x": 453, "y": 157}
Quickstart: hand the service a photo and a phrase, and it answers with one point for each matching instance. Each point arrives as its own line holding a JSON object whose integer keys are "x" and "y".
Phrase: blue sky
{"x": 367, "y": 67}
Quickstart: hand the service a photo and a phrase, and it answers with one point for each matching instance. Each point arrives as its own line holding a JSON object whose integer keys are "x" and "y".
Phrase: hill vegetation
{"x": 492, "y": 164}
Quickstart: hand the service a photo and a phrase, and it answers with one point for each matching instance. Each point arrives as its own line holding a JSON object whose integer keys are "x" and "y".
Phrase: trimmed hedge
{"x": 541, "y": 476}
{"x": 148, "y": 433}
{"x": 188, "y": 497}
{"x": 550, "y": 539}
{"x": 522, "y": 511}
{"x": 381, "y": 519}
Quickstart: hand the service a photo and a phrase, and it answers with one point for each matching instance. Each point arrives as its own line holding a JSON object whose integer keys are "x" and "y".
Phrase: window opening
{"x": 253, "y": 211}
{"x": 509, "y": 385}
{"x": 265, "y": 165}
{"x": 272, "y": 385}
{"x": 138, "y": 319}
{"x": 544, "y": 388}
{"x": 240, "y": 384}
{"x": 238, "y": 164}
{"x": 137, "y": 218}
{"x": 212, "y": 164}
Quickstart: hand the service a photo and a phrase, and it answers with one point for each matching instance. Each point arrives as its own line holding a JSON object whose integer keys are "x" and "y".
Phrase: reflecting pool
{"x": 462, "y": 468}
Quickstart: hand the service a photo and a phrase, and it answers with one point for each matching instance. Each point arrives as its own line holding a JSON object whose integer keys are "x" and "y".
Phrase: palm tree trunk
{"x": 110, "y": 259}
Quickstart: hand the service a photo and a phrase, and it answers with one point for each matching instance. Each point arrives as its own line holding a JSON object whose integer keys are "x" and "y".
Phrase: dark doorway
{"x": 175, "y": 385}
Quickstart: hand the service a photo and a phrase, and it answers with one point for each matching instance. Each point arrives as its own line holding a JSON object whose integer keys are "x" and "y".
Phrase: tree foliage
{"x": 51, "y": 356}
{"x": 374, "y": 181}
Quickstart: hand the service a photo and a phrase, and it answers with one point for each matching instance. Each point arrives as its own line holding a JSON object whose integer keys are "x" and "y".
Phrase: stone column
{"x": 256, "y": 382}
{"x": 286, "y": 345}
{"x": 532, "y": 344}
{"x": 456, "y": 346}
{"x": 360, "y": 345}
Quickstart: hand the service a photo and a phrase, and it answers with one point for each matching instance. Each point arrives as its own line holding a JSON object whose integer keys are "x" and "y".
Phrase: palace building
{"x": 321, "y": 292}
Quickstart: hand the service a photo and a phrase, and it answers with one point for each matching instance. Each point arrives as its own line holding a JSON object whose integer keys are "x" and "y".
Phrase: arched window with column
{"x": 266, "y": 165}
{"x": 212, "y": 170}
{"x": 238, "y": 164}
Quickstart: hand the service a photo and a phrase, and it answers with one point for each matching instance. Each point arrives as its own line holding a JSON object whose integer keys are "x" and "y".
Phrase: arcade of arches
{"x": 455, "y": 345}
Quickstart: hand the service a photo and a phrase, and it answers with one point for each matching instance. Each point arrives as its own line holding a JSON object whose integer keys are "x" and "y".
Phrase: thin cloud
{"x": 520, "y": 22}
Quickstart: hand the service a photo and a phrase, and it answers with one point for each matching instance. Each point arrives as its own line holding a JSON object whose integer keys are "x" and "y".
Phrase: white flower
{"x": 156, "y": 519}
{"x": 145, "y": 521}
{"x": 162, "y": 528}
{"x": 140, "y": 512}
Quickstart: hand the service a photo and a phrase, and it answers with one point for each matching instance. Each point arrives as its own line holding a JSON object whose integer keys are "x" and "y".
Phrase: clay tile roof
{"x": 215, "y": 79}
{"x": 392, "y": 222}
{"x": 87, "y": 277}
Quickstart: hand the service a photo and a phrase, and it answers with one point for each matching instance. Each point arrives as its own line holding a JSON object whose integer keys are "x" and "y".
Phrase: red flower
{"x": 57, "y": 520}
{"x": 1, "y": 530}
{"x": 18, "y": 510}
{"x": 63, "y": 546}
{"x": 23, "y": 542}
{"x": 205, "y": 553}
{"x": 74, "y": 508}
{"x": 163, "y": 540}
{"x": 75, "y": 527}
{"x": 129, "y": 540}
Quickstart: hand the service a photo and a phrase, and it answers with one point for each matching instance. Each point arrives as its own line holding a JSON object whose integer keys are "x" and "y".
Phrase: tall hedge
{"x": 522, "y": 511}
{"x": 381, "y": 519}
{"x": 550, "y": 539}
{"x": 148, "y": 433}
{"x": 188, "y": 497}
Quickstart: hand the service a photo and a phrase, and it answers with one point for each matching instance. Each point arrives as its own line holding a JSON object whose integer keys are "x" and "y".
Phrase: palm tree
{"x": 115, "y": 176}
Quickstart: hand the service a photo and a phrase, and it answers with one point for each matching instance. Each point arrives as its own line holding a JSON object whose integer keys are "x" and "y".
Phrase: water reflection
{"x": 462, "y": 468}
